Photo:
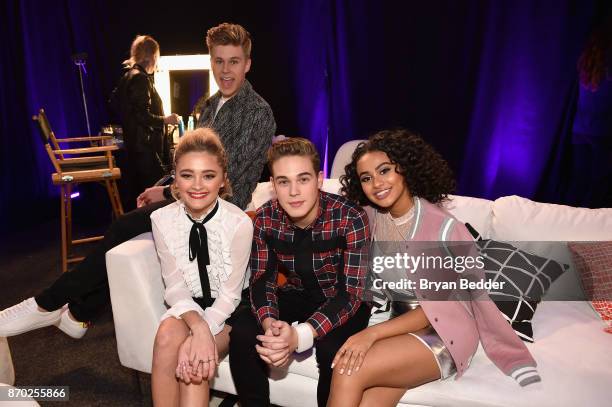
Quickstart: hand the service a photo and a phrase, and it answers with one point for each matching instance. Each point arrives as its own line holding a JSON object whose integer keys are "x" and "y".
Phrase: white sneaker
{"x": 25, "y": 317}
{"x": 71, "y": 327}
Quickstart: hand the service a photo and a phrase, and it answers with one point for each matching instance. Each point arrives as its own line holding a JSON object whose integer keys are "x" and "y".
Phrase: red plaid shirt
{"x": 340, "y": 272}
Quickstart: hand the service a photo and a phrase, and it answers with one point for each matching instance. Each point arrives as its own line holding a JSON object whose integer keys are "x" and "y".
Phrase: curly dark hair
{"x": 426, "y": 173}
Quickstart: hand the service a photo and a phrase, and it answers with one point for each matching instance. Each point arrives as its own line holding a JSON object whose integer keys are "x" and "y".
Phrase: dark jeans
{"x": 85, "y": 288}
{"x": 250, "y": 373}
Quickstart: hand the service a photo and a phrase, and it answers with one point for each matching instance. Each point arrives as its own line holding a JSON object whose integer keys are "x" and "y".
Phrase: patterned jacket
{"x": 330, "y": 262}
{"x": 246, "y": 125}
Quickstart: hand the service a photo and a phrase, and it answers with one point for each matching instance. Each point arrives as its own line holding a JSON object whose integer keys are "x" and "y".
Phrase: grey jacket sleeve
{"x": 257, "y": 129}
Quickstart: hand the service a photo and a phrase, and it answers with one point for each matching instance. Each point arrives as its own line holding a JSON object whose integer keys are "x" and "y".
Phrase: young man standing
{"x": 320, "y": 240}
{"x": 242, "y": 119}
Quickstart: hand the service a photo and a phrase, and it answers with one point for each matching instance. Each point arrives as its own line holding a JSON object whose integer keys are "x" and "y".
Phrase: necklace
{"x": 389, "y": 228}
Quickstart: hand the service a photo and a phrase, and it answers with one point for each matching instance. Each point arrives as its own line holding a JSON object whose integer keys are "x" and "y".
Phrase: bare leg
{"x": 381, "y": 396}
{"x": 399, "y": 362}
{"x": 197, "y": 394}
{"x": 164, "y": 385}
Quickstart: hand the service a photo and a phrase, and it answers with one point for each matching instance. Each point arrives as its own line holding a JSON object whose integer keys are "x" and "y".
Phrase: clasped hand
{"x": 198, "y": 356}
{"x": 278, "y": 342}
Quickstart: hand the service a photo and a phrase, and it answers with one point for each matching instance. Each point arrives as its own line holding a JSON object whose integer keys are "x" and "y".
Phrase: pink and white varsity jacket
{"x": 462, "y": 324}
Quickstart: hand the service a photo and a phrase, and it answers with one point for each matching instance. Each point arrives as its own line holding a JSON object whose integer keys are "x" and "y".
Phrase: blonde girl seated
{"x": 203, "y": 243}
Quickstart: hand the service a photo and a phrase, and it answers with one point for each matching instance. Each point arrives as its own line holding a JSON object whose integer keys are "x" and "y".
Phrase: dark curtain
{"x": 490, "y": 84}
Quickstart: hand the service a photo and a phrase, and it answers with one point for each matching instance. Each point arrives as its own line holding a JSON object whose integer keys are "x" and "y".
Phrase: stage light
{"x": 75, "y": 195}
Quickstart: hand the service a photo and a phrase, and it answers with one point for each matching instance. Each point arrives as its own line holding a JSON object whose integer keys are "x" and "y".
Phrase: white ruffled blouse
{"x": 230, "y": 236}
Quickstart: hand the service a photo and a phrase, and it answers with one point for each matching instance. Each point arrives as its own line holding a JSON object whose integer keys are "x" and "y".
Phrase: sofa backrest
{"x": 476, "y": 211}
{"x": 535, "y": 226}
{"x": 343, "y": 157}
{"x": 529, "y": 225}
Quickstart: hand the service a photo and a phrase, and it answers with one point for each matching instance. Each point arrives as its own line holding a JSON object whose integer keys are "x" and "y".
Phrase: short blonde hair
{"x": 204, "y": 140}
{"x": 229, "y": 34}
{"x": 142, "y": 51}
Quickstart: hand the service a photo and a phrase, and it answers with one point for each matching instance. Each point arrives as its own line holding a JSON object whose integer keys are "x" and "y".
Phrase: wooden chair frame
{"x": 70, "y": 171}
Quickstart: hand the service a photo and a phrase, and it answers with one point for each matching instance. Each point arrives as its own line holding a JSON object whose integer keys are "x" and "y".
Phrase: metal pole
{"x": 80, "y": 65}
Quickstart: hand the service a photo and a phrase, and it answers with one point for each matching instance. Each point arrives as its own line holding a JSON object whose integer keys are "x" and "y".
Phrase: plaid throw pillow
{"x": 594, "y": 264}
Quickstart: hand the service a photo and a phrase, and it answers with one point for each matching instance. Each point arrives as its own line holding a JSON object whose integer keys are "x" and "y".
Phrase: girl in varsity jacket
{"x": 401, "y": 181}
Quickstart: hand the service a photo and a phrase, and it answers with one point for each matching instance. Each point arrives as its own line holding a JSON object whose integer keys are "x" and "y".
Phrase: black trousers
{"x": 250, "y": 372}
{"x": 85, "y": 288}
{"x": 142, "y": 170}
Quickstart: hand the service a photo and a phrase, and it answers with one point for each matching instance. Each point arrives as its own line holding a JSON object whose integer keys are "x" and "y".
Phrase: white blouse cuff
{"x": 183, "y": 306}
{"x": 214, "y": 327}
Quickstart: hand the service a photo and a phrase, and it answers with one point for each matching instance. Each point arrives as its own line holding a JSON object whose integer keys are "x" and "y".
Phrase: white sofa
{"x": 7, "y": 372}
{"x": 573, "y": 353}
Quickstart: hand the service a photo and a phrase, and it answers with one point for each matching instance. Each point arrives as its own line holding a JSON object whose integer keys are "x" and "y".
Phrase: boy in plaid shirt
{"x": 319, "y": 241}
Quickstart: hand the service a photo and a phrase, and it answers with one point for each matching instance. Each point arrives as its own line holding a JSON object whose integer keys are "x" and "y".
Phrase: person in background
{"x": 142, "y": 117}
{"x": 245, "y": 124}
{"x": 590, "y": 183}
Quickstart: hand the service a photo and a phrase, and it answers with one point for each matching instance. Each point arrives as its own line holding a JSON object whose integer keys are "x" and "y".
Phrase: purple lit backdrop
{"x": 490, "y": 84}
{"x": 521, "y": 92}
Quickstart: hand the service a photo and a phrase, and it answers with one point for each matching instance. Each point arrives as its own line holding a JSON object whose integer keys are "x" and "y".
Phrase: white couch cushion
{"x": 7, "y": 373}
{"x": 559, "y": 329}
{"x": 343, "y": 157}
{"x": 569, "y": 349}
{"x": 520, "y": 219}
{"x": 532, "y": 226}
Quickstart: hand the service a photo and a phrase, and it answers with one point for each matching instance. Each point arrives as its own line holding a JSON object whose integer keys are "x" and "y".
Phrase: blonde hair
{"x": 142, "y": 51}
{"x": 229, "y": 34}
{"x": 294, "y": 146}
{"x": 203, "y": 140}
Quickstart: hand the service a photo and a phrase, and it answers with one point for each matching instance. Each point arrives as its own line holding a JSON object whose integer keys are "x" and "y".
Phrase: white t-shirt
{"x": 230, "y": 236}
{"x": 221, "y": 103}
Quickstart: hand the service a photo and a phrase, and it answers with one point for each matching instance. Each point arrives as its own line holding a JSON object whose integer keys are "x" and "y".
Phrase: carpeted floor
{"x": 89, "y": 366}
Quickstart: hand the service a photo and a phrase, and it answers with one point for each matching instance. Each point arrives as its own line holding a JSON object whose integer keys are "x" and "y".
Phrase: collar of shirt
{"x": 244, "y": 90}
{"x": 184, "y": 208}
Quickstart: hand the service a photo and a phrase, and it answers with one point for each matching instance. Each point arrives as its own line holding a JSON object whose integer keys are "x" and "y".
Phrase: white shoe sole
{"x": 25, "y": 317}
{"x": 14, "y": 332}
{"x": 69, "y": 327}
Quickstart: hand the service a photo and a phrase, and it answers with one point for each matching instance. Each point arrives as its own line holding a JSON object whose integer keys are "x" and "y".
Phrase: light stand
{"x": 80, "y": 60}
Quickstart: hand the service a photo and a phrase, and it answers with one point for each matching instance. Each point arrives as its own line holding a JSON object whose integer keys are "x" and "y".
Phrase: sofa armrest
{"x": 7, "y": 372}
{"x": 137, "y": 298}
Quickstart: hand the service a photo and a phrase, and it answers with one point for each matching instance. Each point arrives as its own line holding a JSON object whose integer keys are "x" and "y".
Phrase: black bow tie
{"x": 198, "y": 248}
